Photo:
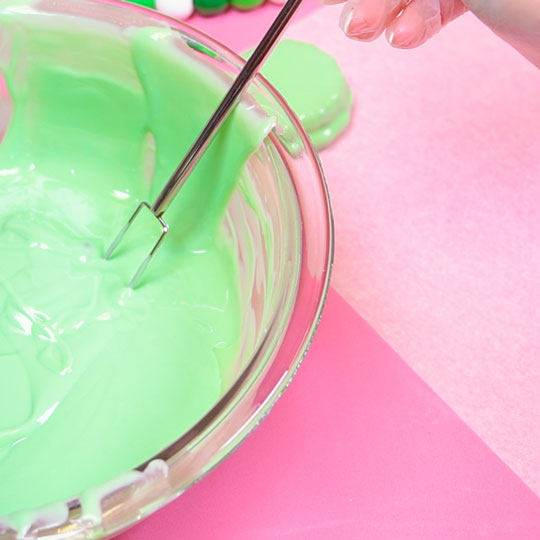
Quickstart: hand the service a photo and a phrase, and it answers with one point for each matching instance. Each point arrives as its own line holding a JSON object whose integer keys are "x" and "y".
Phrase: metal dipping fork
{"x": 181, "y": 174}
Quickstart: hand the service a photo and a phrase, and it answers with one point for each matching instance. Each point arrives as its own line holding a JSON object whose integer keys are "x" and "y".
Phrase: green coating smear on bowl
{"x": 96, "y": 378}
{"x": 315, "y": 88}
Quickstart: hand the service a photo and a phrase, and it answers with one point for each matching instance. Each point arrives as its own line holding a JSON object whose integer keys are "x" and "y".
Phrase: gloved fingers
{"x": 366, "y": 20}
{"x": 419, "y": 21}
{"x": 422, "y": 19}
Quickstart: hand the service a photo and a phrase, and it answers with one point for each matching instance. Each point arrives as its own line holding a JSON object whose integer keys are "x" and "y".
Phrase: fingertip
{"x": 363, "y": 20}
{"x": 346, "y": 18}
{"x": 407, "y": 31}
{"x": 390, "y": 34}
{"x": 403, "y": 39}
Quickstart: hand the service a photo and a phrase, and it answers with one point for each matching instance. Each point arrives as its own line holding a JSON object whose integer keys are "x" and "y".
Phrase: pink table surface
{"x": 358, "y": 447}
{"x": 435, "y": 191}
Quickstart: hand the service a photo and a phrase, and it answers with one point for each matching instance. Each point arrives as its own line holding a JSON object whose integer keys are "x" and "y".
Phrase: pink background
{"x": 430, "y": 430}
{"x": 377, "y": 455}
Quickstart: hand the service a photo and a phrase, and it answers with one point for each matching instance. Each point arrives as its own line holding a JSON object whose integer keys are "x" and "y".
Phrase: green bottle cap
{"x": 146, "y": 3}
{"x": 210, "y": 7}
{"x": 244, "y": 5}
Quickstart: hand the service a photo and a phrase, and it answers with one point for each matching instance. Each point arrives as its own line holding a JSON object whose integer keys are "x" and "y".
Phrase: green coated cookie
{"x": 314, "y": 87}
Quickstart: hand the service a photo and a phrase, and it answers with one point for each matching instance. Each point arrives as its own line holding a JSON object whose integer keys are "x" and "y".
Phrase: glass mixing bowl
{"x": 280, "y": 220}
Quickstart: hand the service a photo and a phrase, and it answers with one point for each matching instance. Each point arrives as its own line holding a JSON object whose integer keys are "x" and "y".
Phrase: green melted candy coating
{"x": 96, "y": 378}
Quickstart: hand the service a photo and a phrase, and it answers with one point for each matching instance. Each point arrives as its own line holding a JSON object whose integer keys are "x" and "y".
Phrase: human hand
{"x": 409, "y": 23}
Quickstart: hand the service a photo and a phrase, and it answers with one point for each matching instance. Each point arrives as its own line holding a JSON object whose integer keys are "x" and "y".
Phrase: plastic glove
{"x": 409, "y": 23}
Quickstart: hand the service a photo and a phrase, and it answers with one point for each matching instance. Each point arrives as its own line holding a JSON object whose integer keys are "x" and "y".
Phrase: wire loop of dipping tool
{"x": 231, "y": 99}
{"x": 123, "y": 231}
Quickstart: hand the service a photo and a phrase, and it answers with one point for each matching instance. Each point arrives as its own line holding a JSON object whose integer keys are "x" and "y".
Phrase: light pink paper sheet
{"x": 436, "y": 194}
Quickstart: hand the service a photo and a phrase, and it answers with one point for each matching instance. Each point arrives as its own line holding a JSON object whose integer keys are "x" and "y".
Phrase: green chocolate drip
{"x": 97, "y": 378}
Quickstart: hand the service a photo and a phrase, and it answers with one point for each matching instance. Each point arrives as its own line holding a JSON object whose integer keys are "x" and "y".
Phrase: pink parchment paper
{"x": 436, "y": 194}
